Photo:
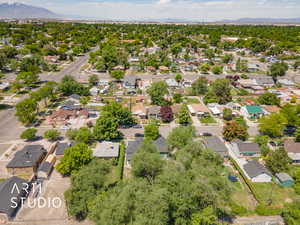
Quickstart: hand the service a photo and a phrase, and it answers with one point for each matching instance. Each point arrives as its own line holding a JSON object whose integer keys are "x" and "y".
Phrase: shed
{"x": 284, "y": 179}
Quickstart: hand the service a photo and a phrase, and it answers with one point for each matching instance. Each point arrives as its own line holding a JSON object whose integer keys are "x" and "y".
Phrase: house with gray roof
{"x": 246, "y": 149}
{"x": 154, "y": 112}
{"x": 162, "y": 146}
{"x": 215, "y": 144}
{"x": 11, "y": 189}
{"x": 265, "y": 81}
{"x": 60, "y": 148}
{"x": 132, "y": 147}
{"x": 130, "y": 82}
{"x": 27, "y": 160}
{"x": 256, "y": 172}
{"x": 107, "y": 150}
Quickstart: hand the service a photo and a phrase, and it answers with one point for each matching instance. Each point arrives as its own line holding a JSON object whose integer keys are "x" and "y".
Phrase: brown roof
{"x": 139, "y": 109}
{"x": 292, "y": 146}
{"x": 200, "y": 107}
{"x": 65, "y": 114}
{"x": 271, "y": 108}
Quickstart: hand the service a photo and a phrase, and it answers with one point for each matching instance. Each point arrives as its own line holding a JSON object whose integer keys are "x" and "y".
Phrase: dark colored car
{"x": 205, "y": 134}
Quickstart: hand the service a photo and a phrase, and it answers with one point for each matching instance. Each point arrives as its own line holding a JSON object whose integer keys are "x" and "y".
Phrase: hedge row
{"x": 120, "y": 168}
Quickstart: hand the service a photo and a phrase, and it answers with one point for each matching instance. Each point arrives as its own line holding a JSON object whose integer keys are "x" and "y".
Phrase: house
{"x": 293, "y": 150}
{"x": 4, "y": 85}
{"x": 7, "y": 208}
{"x": 27, "y": 160}
{"x": 132, "y": 147}
{"x": 162, "y": 147}
{"x": 154, "y": 113}
{"x": 215, "y": 109}
{"x": 75, "y": 98}
{"x": 106, "y": 150}
{"x": 46, "y": 167}
{"x": 94, "y": 91}
{"x": 172, "y": 83}
{"x": 284, "y": 179}
{"x": 256, "y": 172}
{"x": 70, "y": 105}
{"x": 60, "y": 149}
{"x": 62, "y": 115}
{"x": 199, "y": 110}
{"x": 215, "y": 144}
{"x": 130, "y": 82}
{"x": 233, "y": 106}
{"x": 286, "y": 82}
{"x": 246, "y": 149}
{"x": 268, "y": 109}
{"x": 265, "y": 81}
{"x": 253, "y": 67}
{"x": 103, "y": 82}
{"x": 139, "y": 110}
{"x": 252, "y": 111}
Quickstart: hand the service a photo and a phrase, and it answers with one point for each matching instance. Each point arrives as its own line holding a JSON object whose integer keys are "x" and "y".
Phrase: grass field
{"x": 207, "y": 119}
{"x": 275, "y": 194}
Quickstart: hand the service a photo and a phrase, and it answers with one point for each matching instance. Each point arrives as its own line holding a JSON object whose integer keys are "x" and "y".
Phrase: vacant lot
{"x": 277, "y": 195}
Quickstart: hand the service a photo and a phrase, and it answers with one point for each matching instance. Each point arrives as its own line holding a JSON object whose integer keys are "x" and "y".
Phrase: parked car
{"x": 137, "y": 126}
{"x": 205, "y": 134}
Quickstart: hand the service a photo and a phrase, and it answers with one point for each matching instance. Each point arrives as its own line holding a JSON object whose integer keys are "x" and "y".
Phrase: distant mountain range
{"x": 263, "y": 20}
{"x": 20, "y": 11}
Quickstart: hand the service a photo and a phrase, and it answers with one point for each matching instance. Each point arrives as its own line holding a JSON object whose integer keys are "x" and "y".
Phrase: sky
{"x": 197, "y": 10}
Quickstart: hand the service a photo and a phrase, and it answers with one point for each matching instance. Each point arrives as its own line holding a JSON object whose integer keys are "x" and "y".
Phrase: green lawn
{"x": 192, "y": 101}
{"x": 277, "y": 194}
{"x": 242, "y": 197}
{"x": 207, "y": 119}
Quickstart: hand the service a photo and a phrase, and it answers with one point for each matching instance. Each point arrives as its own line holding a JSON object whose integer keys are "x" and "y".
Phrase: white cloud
{"x": 163, "y": 1}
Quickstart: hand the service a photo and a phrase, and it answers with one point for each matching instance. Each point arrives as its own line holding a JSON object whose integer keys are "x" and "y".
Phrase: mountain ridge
{"x": 18, "y": 10}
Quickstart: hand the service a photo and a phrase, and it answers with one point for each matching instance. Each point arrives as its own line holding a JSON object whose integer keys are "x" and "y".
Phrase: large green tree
{"x": 26, "y": 111}
{"x": 200, "y": 86}
{"x": 106, "y": 127}
{"x": 272, "y": 125}
{"x": 157, "y": 91}
{"x": 74, "y": 159}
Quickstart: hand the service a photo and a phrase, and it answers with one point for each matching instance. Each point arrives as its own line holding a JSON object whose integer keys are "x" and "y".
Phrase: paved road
{"x": 10, "y": 128}
{"x": 73, "y": 69}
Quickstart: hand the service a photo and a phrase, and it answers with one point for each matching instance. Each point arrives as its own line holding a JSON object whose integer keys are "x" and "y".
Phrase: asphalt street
{"x": 10, "y": 128}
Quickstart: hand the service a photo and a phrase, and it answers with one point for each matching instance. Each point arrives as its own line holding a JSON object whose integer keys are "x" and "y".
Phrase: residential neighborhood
{"x": 115, "y": 122}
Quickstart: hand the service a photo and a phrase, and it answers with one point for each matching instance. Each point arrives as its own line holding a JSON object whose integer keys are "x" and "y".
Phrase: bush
{"x": 264, "y": 210}
{"x": 52, "y": 135}
{"x": 238, "y": 210}
{"x": 29, "y": 134}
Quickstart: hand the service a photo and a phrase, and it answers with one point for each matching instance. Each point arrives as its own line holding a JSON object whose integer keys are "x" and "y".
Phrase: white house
{"x": 256, "y": 172}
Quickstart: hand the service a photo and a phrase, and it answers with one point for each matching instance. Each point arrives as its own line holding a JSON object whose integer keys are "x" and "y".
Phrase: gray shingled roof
{"x": 46, "y": 167}
{"x": 7, "y": 192}
{"x": 161, "y": 145}
{"x": 132, "y": 147}
{"x": 27, "y": 157}
{"x": 60, "y": 148}
{"x": 254, "y": 169}
{"x": 215, "y": 144}
{"x": 248, "y": 147}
